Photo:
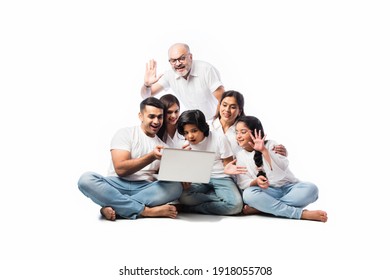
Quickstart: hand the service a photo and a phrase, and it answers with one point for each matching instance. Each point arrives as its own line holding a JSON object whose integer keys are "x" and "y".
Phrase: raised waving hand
{"x": 258, "y": 143}
{"x": 150, "y": 73}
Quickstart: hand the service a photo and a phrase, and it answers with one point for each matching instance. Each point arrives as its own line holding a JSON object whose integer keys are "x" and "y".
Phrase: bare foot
{"x": 168, "y": 211}
{"x": 247, "y": 210}
{"x": 108, "y": 213}
{"x": 314, "y": 215}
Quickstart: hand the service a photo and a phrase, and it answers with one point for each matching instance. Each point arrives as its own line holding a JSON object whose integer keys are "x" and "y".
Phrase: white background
{"x": 315, "y": 72}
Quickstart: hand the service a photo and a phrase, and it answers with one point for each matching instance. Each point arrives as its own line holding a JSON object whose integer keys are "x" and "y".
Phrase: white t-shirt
{"x": 134, "y": 140}
{"x": 197, "y": 91}
{"x": 217, "y": 143}
{"x": 277, "y": 177}
{"x": 176, "y": 142}
{"x": 215, "y": 125}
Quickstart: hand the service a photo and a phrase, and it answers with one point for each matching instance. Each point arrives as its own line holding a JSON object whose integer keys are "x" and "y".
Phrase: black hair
{"x": 240, "y": 102}
{"x": 253, "y": 124}
{"x": 168, "y": 100}
{"x": 195, "y": 117}
{"x": 151, "y": 101}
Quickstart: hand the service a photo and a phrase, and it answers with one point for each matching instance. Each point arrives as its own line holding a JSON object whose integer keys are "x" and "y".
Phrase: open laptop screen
{"x": 186, "y": 165}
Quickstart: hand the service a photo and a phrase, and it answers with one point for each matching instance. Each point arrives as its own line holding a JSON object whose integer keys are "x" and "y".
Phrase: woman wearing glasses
{"x": 268, "y": 185}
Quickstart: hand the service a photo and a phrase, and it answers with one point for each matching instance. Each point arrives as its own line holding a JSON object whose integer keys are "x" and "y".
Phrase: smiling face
{"x": 172, "y": 116}
{"x": 151, "y": 120}
{"x": 229, "y": 110}
{"x": 193, "y": 134}
{"x": 243, "y": 136}
{"x": 180, "y": 59}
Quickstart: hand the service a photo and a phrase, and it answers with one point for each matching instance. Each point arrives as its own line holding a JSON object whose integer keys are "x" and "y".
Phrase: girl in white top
{"x": 268, "y": 185}
{"x": 168, "y": 131}
{"x": 221, "y": 195}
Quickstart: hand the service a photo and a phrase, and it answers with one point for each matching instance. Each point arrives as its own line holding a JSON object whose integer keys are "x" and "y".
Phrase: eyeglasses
{"x": 242, "y": 131}
{"x": 180, "y": 59}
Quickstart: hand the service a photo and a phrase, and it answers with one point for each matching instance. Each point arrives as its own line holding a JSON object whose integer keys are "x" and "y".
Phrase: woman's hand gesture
{"x": 232, "y": 169}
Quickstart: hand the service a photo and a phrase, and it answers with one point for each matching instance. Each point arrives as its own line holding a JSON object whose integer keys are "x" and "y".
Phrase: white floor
{"x": 78, "y": 242}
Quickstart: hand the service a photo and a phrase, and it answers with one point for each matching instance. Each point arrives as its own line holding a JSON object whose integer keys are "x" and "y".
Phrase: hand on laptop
{"x": 157, "y": 152}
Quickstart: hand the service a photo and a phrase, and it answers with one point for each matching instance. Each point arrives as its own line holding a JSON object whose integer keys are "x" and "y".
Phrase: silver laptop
{"x": 185, "y": 165}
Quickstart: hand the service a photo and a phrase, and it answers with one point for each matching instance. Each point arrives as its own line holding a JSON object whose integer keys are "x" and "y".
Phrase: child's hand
{"x": 262, "y": 182}
{"x": 258, "y": 142}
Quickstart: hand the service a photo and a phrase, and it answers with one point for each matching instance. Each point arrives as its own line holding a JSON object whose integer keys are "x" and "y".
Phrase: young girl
{"x": 221, "y": 195}
{"x": 268, "y": 185}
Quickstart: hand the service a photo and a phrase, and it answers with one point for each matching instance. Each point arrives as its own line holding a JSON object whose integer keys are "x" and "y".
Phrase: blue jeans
{"x": 219, "y": 197}
{"x": 286, "y": 201}
{"x": 127, "y": 198}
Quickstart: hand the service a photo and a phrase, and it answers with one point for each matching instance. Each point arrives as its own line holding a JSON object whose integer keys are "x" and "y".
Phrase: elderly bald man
{"x": 196, "y": 83}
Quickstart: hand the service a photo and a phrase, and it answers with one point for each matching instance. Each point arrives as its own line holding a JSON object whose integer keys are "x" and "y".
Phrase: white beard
{"x": 182, "y": 74}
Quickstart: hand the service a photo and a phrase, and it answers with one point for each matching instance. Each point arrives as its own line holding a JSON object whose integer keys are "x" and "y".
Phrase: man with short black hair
{"x": 130, "y": 189}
